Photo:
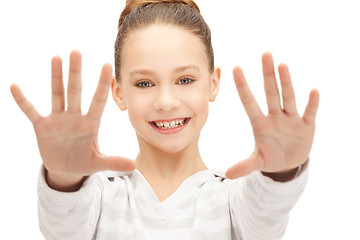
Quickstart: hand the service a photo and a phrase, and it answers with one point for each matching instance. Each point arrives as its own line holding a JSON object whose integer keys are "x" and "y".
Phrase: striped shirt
{"x": 205, "y": 206}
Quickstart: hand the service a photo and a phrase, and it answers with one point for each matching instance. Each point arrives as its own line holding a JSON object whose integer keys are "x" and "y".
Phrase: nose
{"x": 166, "y": 100}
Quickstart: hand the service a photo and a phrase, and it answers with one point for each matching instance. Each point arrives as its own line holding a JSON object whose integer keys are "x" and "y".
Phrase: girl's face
{"x": 166, "y": 86}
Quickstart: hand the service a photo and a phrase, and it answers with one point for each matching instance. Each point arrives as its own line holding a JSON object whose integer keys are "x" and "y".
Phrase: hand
{"x": 68, "y": 139}
{"x": 283, "y": 139}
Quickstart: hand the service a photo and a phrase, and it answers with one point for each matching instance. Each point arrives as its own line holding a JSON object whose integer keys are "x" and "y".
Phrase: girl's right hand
{"x": 68, "y": 139}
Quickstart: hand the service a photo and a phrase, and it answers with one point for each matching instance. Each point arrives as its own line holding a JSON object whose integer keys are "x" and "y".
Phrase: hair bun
{"x": 138, "y": 2}
{"x": 131, "y": 4}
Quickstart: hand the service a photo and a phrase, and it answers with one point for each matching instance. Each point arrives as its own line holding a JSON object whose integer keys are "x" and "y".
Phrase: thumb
{"x": 243, "y": 168}
{"x": 114, "y": 163}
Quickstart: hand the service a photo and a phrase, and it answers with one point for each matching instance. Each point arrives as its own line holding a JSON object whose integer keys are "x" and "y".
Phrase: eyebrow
{"x": 176, "y": 70}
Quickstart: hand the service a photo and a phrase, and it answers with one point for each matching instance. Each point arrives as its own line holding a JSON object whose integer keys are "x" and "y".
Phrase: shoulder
{"x": 218, "y": 175}
{"x": 112, "y": 175}
{"x": 113, "y": 180}
{"x": 214, "y": 182}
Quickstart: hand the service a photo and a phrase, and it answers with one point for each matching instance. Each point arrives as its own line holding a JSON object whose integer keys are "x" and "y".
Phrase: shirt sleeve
{"x": 260, "y": 206}
{"x": 69, "y": 215}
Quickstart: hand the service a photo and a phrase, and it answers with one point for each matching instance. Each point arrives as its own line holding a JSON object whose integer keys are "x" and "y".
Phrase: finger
{"x": 115, "y": 164}
{"x": 57, "y": 85}
{"x": 288, "y": 93}
{"x": 101, "y": 94}
{"x": 243, "y": 168}
{"x": 312, "y": 106}
{"x": 74, "y": 85}
{"x": 25, "y": 105}
{"x": 251, "y": 107}
{"x": 270, "y": 85}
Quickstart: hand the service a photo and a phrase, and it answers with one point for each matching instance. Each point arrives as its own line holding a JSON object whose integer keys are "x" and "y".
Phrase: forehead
{"x": 162, "y": 47}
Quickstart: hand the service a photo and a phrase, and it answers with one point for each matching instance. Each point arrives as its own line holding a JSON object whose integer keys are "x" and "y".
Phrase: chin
{"x": 170, "y": 148}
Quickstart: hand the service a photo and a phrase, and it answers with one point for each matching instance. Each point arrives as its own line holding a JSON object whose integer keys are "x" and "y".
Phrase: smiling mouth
{"x": 170, "y": 124}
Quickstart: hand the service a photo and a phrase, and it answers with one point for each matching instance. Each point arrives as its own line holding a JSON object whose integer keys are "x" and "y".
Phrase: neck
{"x": 152, "y": 161}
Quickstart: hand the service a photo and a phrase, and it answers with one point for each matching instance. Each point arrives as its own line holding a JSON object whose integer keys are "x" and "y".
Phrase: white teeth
{"x": 169, "y": 125}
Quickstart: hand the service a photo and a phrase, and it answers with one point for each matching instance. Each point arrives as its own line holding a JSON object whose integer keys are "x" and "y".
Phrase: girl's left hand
{"x": 283, "y": 139}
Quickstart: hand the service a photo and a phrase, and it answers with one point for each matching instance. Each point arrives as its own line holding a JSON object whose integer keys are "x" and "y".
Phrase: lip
{"x": 172, "y": 130}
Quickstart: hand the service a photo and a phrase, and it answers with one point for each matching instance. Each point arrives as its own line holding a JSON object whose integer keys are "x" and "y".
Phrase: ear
{"x": 116, "y": 93}
{"x": 215, "y": 84}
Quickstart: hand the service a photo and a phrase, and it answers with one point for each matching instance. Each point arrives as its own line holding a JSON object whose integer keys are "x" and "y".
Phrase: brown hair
{"x": 182, "y": 13}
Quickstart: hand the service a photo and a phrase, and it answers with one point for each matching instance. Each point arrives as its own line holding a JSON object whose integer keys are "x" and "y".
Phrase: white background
{"x": 319, "y": 40}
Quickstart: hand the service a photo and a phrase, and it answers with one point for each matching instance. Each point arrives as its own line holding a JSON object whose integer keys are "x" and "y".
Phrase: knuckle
{"x": 74, "y": 90}
{"x": 99, "y": 98}
{"x": 272, "y": 91}
{"x": 247, "y": 100}
{"x": 289, "y": 97}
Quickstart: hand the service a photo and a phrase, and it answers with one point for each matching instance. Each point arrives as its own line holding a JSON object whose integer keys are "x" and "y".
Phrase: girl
{"x": 165, "y": 78}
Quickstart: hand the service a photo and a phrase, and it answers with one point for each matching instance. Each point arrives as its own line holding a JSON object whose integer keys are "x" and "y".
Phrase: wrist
{"x": 285, "y": 176}
{"x": 63, "y": 182}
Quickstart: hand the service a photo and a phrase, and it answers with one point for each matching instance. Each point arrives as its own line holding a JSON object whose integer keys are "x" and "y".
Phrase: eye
{"x": 144, "y": 84}
{"x": 185, "y": 81}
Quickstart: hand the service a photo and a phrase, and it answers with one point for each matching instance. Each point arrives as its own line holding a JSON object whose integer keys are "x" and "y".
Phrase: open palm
{"x": 283, "y": 139}
{"x": 68, "y": 139}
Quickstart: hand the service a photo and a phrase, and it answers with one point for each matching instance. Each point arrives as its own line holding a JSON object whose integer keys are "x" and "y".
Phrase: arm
{"x": 67, "y": 141}
{"x": 260, "y": 206}
{"x": 69, "y": 215}
{"x": 262, "y": 200}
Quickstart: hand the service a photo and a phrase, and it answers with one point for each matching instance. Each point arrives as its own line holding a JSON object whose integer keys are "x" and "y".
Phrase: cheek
{"x": 198, "y": 102}
{"x": 137, "y": 107}
{"x": 202, "y": 110}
